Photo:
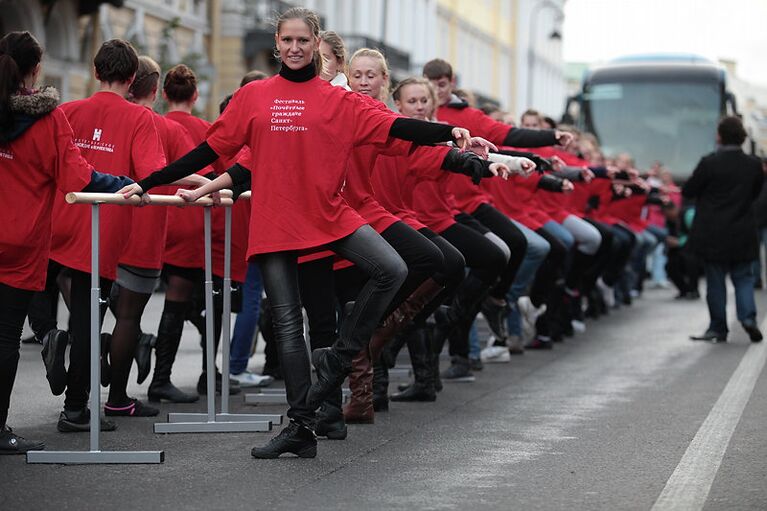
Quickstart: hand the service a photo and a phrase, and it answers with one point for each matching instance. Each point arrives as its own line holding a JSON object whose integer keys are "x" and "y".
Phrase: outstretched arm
{"x": 425, "y": 132}
{"x": 221, "y": 182}
{"x": 191, "y": 162}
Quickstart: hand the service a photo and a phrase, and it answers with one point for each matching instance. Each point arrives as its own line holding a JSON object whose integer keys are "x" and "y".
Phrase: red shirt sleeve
{"x": 371, "y": 123}
{"x": 489, "y": 128}
{"x": 147, "y": 154}
{"x": 231, "y": 130}
{"x": 71, "y": 172}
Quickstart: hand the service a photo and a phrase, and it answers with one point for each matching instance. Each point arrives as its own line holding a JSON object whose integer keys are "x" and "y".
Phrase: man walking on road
{"x": 724, "y": 186}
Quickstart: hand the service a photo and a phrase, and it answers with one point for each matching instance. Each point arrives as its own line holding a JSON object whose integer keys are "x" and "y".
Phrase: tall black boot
{"x": 435, "y": 351}
{"x": 380, "y": 386}
{"x": 460, "y": 314}
{"x": 422, "y": 389}
{"x": 168, "y": 340}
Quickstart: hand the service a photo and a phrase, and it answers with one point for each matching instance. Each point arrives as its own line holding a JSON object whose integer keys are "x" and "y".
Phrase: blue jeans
{"x": 743, "y": 278}
{"x": 247, "y": 319}
{"x": 474, "y": 346}
{"x": 658, "y": 264}
{"x": 537, "y": 250}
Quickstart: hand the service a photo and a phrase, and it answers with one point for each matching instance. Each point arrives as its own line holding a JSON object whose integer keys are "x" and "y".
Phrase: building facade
{"x": 506, "y": 52}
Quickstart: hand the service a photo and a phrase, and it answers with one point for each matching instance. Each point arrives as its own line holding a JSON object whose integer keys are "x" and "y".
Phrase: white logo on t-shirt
{"x": 96, "y": 134}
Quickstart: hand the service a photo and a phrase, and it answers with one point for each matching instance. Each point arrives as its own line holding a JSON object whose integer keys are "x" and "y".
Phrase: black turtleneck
{"x": 304, "y": 74}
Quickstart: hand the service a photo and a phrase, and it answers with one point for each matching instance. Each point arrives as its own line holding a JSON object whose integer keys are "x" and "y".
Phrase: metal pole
{"x": 225, "y": 324}
{"x": 95, "y": 455}
{"x": 95, "y": 331}
{"x": 210, "y": 366}
{"x": 223, "y": 422}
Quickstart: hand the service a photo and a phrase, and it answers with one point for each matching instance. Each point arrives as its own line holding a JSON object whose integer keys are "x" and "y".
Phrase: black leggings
{"x": 484, "y": 258}
{"x": 450, "y": 275}
{"x": 78, "y": 373}
{"x": 548, "y": 286}
{"x": 601, "y": 258}
{"x": 500, "y": 225}
{"x": 317, "y": 284}
{"x": 43, "y": 308}
{"x": 386, "y": 271}
{"x": 422, "y": 257}
{"x": 486, "y": 262}
{"x": 13, "y": 310}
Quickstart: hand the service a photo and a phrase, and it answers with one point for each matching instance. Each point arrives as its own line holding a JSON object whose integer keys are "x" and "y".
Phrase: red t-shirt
{"x": 146, "y": 244}
{"x": 389, "y": 186}
{"x": 468, "y": 196}
{"x": 240, "y": 225}
{"x": 116, "y": 137}
{"x": 427, "y": 182}
{"x": 185, "y": 241}
{"x": 33, "y": 166}
{"x": 515, "y": 198}
{"x": 301, "y": 137}
{"x": 629, "y": 211}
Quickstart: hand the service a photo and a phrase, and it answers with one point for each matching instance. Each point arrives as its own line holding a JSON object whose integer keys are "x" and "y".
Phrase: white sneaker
{"x": 529, "y": 314}
{"x": 495, "y": 355}
{"x": 248, "y": 379}
{"x": 578, "y": 326}
{"x": 608, "y": 295}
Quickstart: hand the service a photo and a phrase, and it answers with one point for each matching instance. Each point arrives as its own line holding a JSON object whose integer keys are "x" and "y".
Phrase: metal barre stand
{"x": 212, "y": 422}
{"x": 95, "y": 455}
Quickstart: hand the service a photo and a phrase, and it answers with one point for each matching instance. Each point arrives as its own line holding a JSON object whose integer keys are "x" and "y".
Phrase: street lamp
{"x": 555, "y": 35}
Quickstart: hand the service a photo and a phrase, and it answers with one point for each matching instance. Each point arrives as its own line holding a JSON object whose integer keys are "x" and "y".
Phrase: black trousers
{"x": 78, "y": 373}
{"x": 486, "y": 262}
{"x": 601, "y": 258}
{"x": 548, "y": 286}
{"x": 43, "y": 308}
{"x": 683, "y": 268}
{"x": 422, "y": 257}
{"x": 386, "y": 272}
{"x": 13, "y": 310}
{"x": 500, "y": 225}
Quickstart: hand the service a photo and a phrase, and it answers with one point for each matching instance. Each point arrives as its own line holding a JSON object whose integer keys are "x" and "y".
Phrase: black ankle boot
{"x": 295, "y": 439}
{"x": 53, "y": 353}
{"x": 143, "y": 356}
{"x": 202, "y": 385}
{"x": 331, "y": 373}
{"x": 330, "y": 419}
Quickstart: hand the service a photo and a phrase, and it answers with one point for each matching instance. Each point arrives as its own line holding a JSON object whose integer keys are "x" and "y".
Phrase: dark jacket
{"x": 760, "y": 207}
{"x": 724, "y": 185}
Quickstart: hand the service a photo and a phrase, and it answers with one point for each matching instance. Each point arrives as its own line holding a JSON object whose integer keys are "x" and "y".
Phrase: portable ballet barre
{"x": 95, "y": 455}
{"x": 225, "y": 421}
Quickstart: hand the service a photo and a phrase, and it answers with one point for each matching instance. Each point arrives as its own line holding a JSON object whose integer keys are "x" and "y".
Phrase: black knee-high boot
{"x": 168, "y": 340}
{"x": 419, "y": 345}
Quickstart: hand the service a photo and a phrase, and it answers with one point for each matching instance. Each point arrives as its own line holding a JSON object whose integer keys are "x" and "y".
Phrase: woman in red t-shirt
{"x": 38, "y": 158}
{"x": 288, "y": 121}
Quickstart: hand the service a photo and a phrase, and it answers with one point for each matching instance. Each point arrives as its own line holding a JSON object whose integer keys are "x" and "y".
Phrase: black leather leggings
{"x": 386, "y": 271}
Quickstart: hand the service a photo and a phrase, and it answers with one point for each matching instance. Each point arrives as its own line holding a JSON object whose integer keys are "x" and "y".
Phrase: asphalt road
{"x": 601, "y": 422}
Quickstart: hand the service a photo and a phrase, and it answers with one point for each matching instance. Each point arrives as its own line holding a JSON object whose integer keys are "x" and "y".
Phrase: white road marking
{"x": 689, "y": 485}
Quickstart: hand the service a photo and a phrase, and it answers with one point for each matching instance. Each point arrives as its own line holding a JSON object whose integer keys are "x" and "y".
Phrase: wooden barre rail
{"x": 156, "y": 200}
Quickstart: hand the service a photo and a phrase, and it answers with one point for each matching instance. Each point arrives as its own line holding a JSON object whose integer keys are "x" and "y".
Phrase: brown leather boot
{"x": 360, "y": 407}
{"x": 359, "y": 410}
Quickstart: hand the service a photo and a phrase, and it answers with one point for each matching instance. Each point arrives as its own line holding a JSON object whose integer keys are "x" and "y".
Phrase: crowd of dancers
{"x": 390, "y": 229}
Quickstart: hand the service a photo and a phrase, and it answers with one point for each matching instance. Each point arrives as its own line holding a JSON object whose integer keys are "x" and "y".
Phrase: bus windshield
{"x": 671, "y": 122}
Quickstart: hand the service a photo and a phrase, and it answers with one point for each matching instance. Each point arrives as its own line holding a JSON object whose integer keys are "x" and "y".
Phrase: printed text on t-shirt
{"x": 285, "y": 113}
